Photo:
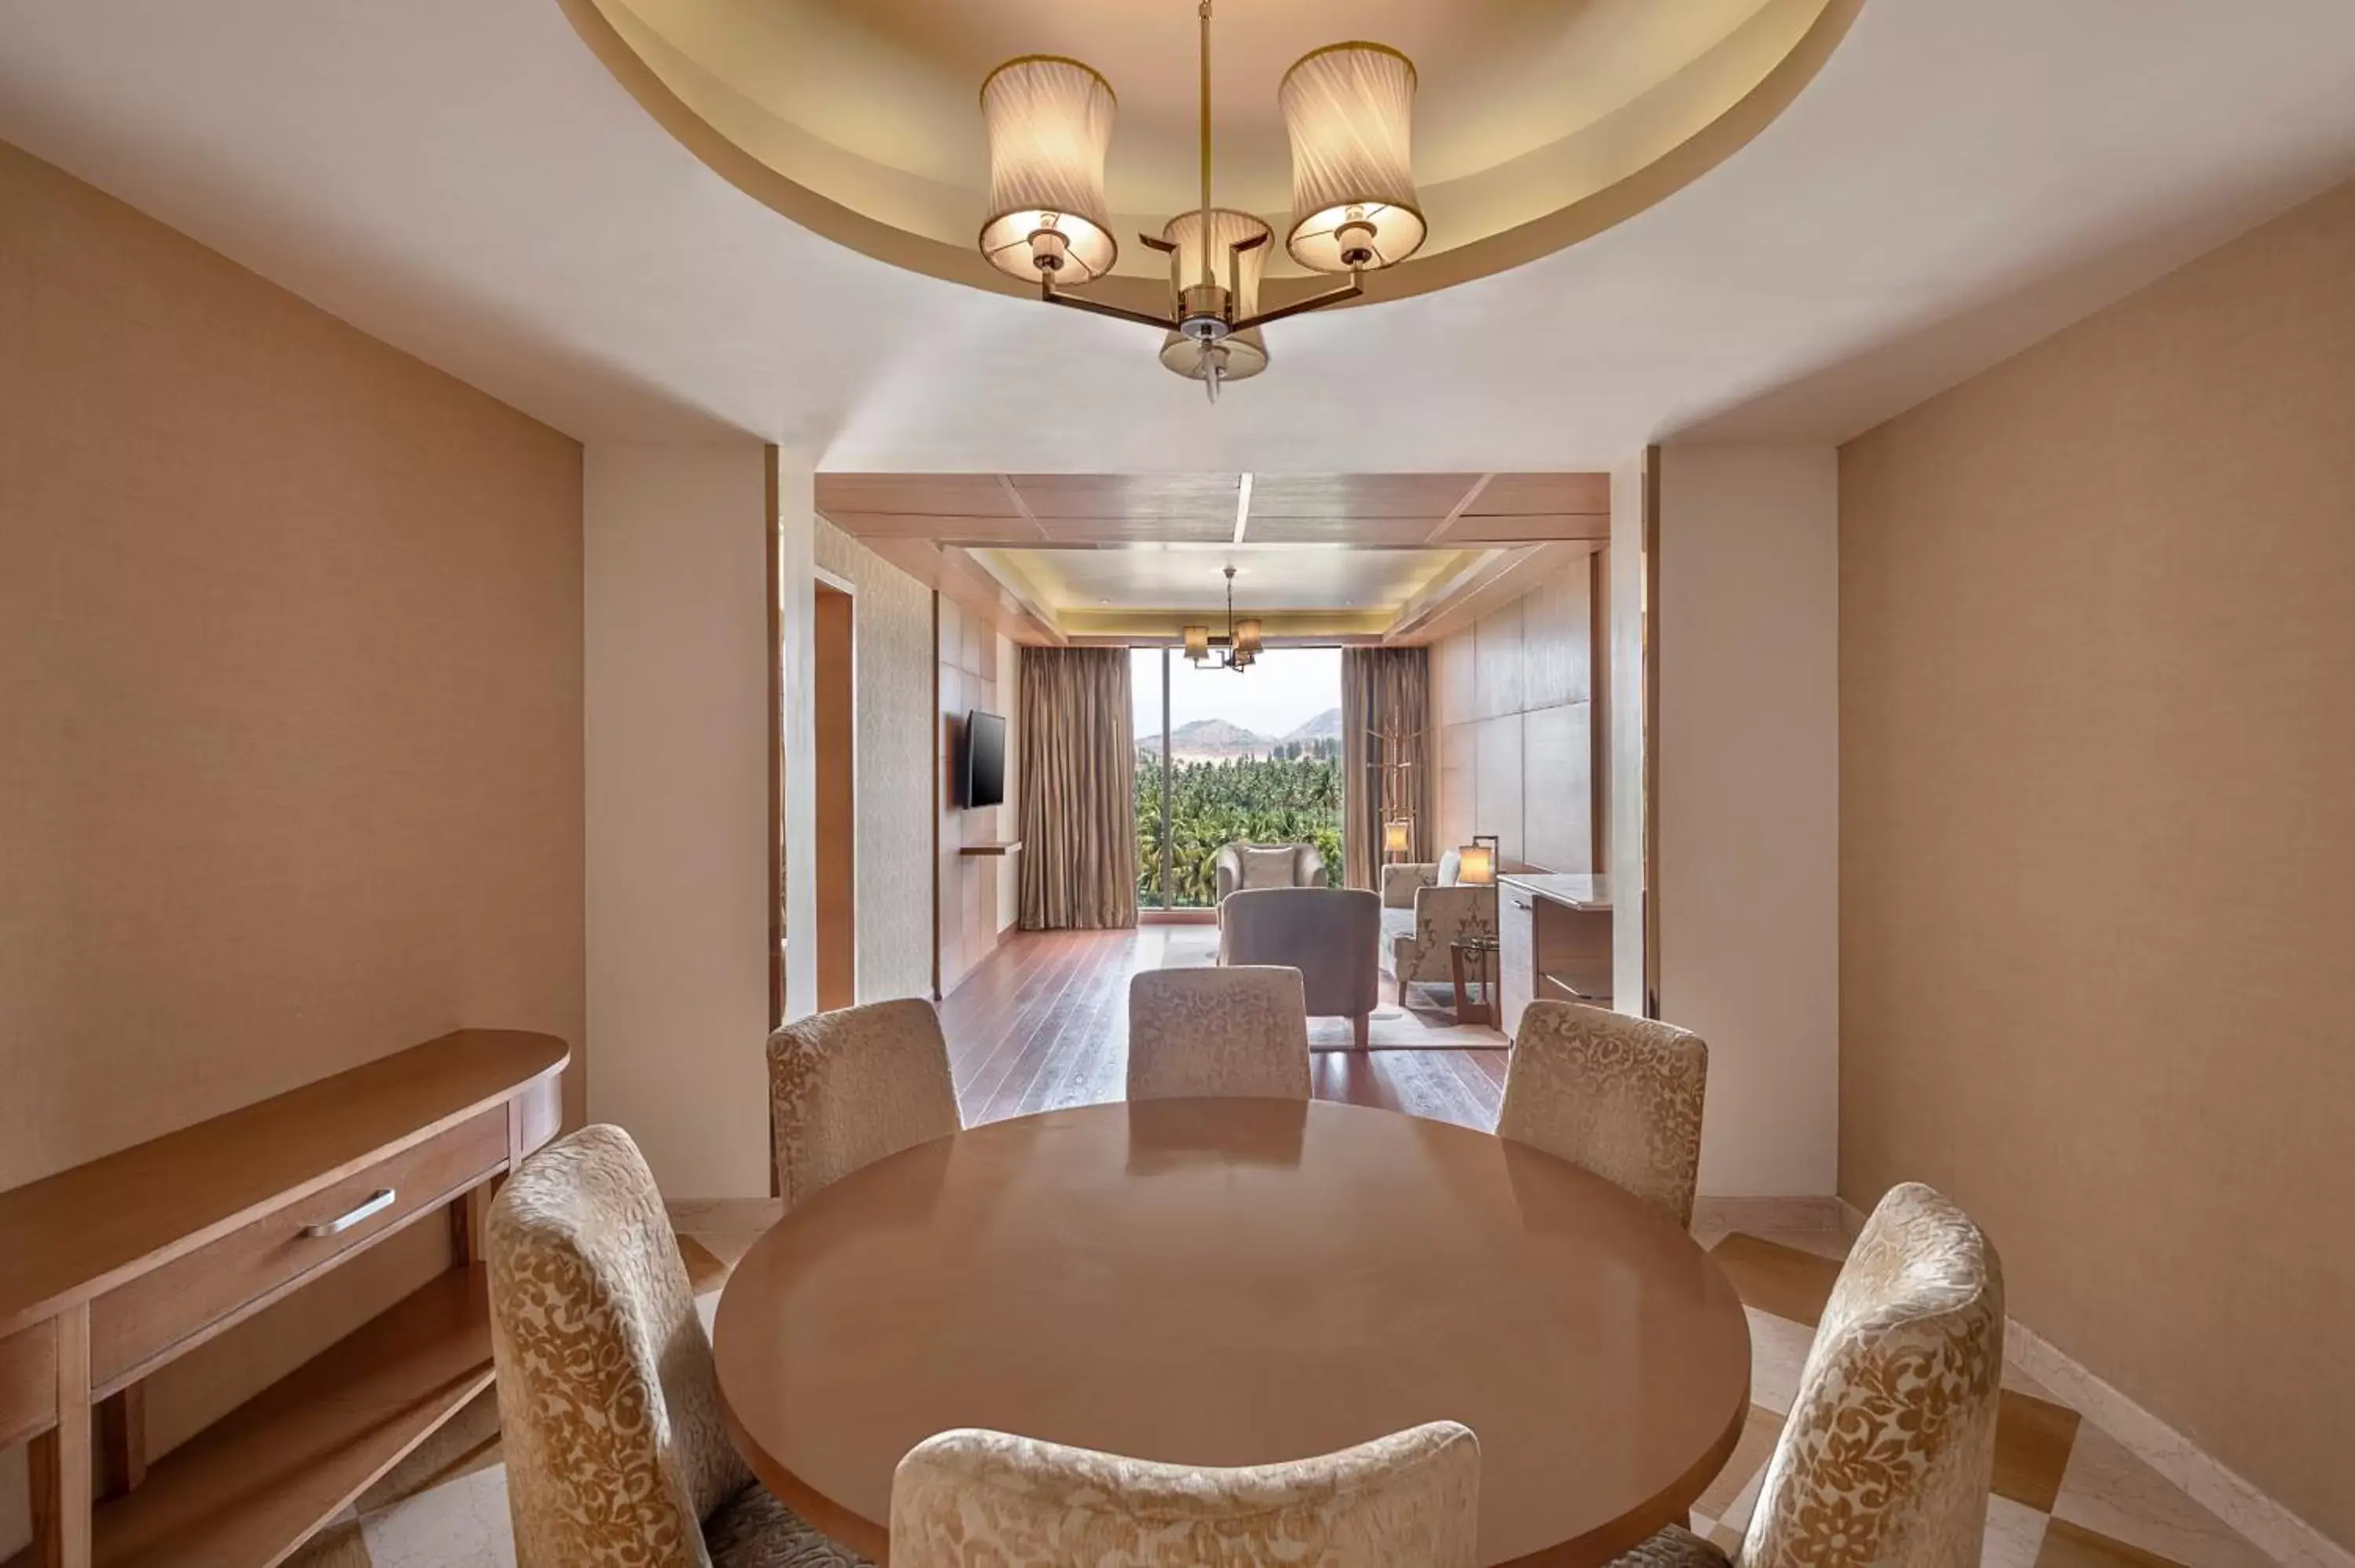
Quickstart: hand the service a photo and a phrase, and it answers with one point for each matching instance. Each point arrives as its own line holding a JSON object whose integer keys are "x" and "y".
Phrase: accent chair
{"x": 1889, "y": 1450}
{"x": 849, "y": 1088}
{"x": 1617, "y": 1095}
{"x": 1241, "y": 1029}
{"x": 609, "y": 1404}
{"x": 1331, "y": 935}
{"x": 1426, "y": 910}
{"x": 987, "y": 1499}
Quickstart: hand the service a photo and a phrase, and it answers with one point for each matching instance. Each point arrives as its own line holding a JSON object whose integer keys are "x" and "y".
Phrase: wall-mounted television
{"x": 981, "y": 768}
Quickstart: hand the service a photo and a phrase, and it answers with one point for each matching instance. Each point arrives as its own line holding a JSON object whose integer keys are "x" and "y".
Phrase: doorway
{"x": 834, "y": 707}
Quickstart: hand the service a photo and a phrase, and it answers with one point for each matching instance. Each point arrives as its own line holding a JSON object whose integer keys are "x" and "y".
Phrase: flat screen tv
{"x": 981, "y": 781}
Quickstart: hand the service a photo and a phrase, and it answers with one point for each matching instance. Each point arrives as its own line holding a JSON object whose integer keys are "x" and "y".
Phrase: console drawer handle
{"x": 375, "y": 1202}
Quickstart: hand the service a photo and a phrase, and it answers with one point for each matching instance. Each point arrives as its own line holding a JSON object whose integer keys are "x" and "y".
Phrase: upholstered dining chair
{"x": 1617, "y": 1095}
{"x": 609, "y": 1405}
{"x": 1234, "y": 1030}
{"x": 1889, "y": 1450}
{"x": 985, "y": 1500}
{"x": 849, "y": 1088}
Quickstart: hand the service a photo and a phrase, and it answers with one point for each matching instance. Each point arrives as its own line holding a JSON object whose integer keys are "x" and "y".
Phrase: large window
{"x": 1222, "y": 757}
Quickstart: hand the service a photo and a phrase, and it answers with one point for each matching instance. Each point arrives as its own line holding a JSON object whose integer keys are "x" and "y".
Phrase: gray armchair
{"x": 1242, "y": 865}
{"x": 1425, "y": 911}
{"x": 1331, "y": 935}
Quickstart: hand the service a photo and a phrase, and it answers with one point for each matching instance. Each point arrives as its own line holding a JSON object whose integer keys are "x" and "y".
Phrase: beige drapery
{"x": 1077, "y": 783}
{"x": 1385, "y": 692}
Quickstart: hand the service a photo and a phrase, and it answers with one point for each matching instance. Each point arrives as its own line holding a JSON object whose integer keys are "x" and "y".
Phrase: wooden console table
{"x": 1554, "y": 936}
{"x": 113, "y": 1269}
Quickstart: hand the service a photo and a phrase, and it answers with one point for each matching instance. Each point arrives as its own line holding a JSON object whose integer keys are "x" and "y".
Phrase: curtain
{"x": 1079, "y": 785}
{"x": 1386, "y": 753}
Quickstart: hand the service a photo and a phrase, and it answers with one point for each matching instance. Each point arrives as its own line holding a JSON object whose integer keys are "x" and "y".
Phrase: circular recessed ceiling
{"x": 1536, "y": 123}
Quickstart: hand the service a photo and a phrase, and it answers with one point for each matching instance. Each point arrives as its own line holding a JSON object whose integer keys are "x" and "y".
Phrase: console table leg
{"x": 60, "y": 1457}
{"x": 122, "y": 1422}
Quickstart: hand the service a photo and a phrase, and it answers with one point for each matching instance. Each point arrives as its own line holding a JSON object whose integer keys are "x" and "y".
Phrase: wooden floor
{"x": 1043, "y": 1024}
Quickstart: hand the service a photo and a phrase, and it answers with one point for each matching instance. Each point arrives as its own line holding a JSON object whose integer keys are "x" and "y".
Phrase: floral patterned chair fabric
{"x": 1890, "y": 1448}
{"x": 1423, "y": 913}
{"x": 985, "y": 1499}
{"x": 847, "y": 1089}
{"x": 1241, "y": 1029}
{"x": 1617, "y": 1095}
{"x": 609, "y": 1406}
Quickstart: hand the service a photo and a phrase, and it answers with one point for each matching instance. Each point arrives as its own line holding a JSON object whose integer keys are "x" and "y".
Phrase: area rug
{"x": 1427, "y": 1021}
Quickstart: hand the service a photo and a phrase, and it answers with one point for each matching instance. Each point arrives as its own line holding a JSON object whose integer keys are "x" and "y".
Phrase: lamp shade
{"x": 1350, "y": 111}
{"x": 1476, "y": 865}
{"x": 1050, "y": 126}
{"x": 1394, "y": 837}
{"x": 1247, "y": 637}
{"x": 1229, "y": 267}
{"x": 1198, "y": 644}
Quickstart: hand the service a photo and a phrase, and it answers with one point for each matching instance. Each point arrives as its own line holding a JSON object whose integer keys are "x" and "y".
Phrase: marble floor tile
{"x": 1751, "y": 1452}
{"x": 2068, "y": 1545}
{"x": 1831, "y": 1244}
{"x": 2015, "y": 1534}
{"x": 1778, "y": 1354}
{"x": 2109, "y": 1491}
{"x": 461, "y": 1525}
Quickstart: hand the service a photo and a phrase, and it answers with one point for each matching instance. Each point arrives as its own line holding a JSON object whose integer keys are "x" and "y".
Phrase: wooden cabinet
{"x": 111, "y": 1269}
{"x": 1553, "y": 942}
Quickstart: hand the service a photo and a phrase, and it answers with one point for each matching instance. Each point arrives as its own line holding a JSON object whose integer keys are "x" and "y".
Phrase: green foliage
{"x": 1283, "y": 799}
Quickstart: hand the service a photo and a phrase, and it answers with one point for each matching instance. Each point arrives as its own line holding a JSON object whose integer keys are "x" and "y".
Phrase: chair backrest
{"x": 1231, "y": 1031}
{"x": 969, "y": 1499}
{"x": 847, "y": 1088}
{"x": 1332, "y": 935}
{"x": 1306, "y": 867}
{"x": 609, "y": 1405}
{"x": 1891, "y": 1441}
{"x": 1617, "y": 1095}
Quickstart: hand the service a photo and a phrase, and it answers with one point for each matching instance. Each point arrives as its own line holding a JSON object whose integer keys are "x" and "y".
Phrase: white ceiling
{"x": 460, "y": 177}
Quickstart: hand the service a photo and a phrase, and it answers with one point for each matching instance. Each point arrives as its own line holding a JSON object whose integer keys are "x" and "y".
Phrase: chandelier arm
{"x": 1097, "y": 307}
{"x": 1302, "y": 307}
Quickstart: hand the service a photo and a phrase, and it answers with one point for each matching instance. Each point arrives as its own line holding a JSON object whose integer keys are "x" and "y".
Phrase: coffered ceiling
{"x": 1132, "y": 554}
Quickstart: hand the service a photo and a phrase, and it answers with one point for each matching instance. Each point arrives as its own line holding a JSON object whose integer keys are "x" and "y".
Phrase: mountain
{"x": 1207, "y": 739}
{"x": 1326, "y": 726}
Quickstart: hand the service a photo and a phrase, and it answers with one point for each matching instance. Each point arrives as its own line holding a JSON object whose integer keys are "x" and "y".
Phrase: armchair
{"x": 1306, "y": 868}
{"x": 1424, "y": 910}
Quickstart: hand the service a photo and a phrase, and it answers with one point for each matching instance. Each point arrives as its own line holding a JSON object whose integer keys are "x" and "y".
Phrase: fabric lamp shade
{"x": 1476, "y": 865}
{"x": 1050, "y": 127}
{"x": 1229, "y": 267}
{"x": 1198, "y": 644}
{"x": 1394, "y": 838}
{"x": 1350, "y": 110}
{"x": 1247, "y": 634}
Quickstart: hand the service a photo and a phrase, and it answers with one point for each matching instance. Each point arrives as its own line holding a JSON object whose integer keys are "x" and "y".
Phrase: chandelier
{"x": 1237, "y": 650}
{"x": 1348, "y": 110}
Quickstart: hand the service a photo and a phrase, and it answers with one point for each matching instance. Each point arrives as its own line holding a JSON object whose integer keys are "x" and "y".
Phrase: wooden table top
{"x": 1576, "y": 890}
{"x": 1233, "y": 1282}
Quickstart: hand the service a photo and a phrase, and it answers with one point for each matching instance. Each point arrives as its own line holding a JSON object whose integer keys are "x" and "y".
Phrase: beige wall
{"x": 289, "y": 716}
{"x": 2097, "y": 612}
{"x": 977, "y": 670}
{"x": 892, "y": 663}
{"x": 1748, "y": 731}
{"x": 678, "y": 811}
{"x": 1514, "y": 704}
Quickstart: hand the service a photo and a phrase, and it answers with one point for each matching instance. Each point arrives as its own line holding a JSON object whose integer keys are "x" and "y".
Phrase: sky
{"x": 1282, "y": 690}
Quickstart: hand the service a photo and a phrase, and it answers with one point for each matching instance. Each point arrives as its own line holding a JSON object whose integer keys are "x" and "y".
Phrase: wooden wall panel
{"x": 1558, "y": 787}
{"x": 1557, "y": 637}
{"x": 1497, "y": 641}
{"x": 1496, "y": 783}
{"x": 1457, "y": 803}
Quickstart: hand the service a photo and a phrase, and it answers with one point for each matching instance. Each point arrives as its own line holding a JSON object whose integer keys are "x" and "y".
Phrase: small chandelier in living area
{"x": 1349, "y": 109}
{"x": 1237, "y": 650}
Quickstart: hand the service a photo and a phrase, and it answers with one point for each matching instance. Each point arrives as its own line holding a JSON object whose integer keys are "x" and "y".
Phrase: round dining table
{"x": 1236, "y": 1282}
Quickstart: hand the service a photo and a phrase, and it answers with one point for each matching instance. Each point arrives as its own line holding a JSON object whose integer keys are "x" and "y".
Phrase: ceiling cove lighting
{"x": 1237, "y": 650}
{"x": 1348, "y": 110}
